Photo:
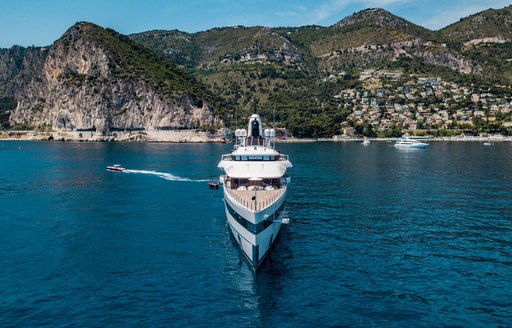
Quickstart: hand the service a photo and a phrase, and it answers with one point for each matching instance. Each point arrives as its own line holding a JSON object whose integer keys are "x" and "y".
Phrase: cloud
{"x": 443, "y": 17}
{"x": 294, "y": 12}
{"x": 327, "y": 10}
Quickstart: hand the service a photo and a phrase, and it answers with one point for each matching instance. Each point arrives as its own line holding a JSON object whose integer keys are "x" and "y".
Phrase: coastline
{"x": 192, "y": 136}
{"x": 179, "y": 136}
{"x": 492, "y": 138}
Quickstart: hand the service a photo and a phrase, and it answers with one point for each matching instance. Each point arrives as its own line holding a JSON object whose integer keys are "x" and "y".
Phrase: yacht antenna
{"x": 274, "y": 126}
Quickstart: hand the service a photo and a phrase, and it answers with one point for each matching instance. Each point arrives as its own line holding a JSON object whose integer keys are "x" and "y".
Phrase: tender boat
{"x": 255, "y": 188}
{"x": 213, "y": 185}
{"x": 409, "y": 143}
{"x": 115, "y": 168}
{"x": 366, "y": 142}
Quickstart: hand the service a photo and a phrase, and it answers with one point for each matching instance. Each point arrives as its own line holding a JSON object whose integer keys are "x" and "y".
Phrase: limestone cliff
{"x": 92, "y": 78}
{"x": 17, "y": 66}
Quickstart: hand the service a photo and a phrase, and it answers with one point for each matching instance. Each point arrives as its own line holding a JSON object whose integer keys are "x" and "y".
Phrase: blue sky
{"x": 39, "y": 22}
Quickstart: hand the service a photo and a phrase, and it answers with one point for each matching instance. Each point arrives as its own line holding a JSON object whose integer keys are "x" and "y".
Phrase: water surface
{"x": 379, "y": 237}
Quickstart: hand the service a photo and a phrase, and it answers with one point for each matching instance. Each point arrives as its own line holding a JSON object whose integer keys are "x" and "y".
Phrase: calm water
{"x": 379, "y": 237}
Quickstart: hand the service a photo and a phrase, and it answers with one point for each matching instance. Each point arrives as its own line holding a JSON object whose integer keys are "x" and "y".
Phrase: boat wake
{"x": 163, "y": 175}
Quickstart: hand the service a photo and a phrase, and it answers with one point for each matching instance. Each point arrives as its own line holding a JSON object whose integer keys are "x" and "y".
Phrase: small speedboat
{"x": 366, "y": 142}
{"x": 115, "y": 168}
{"x": 213, "y": 185}
{"x": 487, "y": 143}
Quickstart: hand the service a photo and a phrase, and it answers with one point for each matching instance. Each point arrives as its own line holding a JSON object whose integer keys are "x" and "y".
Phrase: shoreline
{"x": 436, "y": 139}
{"x": 183, "y": 136}
{"x": 187, "y": 136}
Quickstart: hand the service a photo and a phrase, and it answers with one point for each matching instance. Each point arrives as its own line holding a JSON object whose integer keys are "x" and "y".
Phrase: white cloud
{"x": 446, "y": 16}
{"x": 294, "y": 12}
{"x": 327, "y": 10}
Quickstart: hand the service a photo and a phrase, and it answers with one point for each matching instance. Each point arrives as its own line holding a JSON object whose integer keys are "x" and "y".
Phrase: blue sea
{"x": 379, "y": 237}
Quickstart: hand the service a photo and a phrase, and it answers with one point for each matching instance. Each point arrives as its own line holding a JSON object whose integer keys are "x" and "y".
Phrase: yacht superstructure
{"x": 255, "y": 188}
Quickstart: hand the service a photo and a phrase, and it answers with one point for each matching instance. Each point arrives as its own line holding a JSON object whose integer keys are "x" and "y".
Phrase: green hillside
{"x": 485, "y": 37}
{"x": 369, "y": 27}
{"x": 136, "y": 61}
{"x": 178, "y": 47}
{"x": 294, "y": 72}
{"x": 491, "y": 23}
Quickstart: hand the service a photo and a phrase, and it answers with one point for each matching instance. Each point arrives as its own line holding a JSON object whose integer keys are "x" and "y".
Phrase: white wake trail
{"x": 163, "y": 175}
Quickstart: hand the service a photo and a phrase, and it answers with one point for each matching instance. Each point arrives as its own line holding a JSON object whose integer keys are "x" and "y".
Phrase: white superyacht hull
{"x": 255, "y": 232}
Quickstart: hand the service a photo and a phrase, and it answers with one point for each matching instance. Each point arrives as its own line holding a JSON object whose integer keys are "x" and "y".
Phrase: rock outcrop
{"x": 81, "y": 83}
{"x": 18, "y": 66}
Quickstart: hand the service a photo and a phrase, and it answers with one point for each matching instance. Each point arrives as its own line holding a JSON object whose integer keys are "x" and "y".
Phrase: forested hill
{"x": 296, "y": 72}
{"x": 312, "y": 78}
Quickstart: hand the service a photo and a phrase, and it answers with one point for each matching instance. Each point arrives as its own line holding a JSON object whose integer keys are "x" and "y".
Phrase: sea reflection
{"x": 259, "y": 292}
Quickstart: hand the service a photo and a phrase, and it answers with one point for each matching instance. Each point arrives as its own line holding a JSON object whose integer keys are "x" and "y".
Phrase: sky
{"x": 41, "y": 22}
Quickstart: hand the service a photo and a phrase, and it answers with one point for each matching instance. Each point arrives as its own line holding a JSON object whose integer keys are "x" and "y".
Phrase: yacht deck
{"x": 262, "y": 198}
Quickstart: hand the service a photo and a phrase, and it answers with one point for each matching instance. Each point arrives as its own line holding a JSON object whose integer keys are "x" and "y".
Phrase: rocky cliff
{"x": 92, "y": 78}
{"x": 17, "y": 68}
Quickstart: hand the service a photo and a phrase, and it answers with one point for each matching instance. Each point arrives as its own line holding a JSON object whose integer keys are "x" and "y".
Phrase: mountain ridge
{"x": 350, "y": 40}
{"x": 370, "y": 39}
{"x": 174, "y": 79}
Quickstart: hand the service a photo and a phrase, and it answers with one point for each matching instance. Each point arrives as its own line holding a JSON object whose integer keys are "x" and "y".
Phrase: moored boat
{"x": 255, "y": 188}
{"x": 409, "y": 143}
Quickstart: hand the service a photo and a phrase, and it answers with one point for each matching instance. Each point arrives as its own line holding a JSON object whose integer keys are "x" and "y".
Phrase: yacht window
{"x": 254, "y": 158}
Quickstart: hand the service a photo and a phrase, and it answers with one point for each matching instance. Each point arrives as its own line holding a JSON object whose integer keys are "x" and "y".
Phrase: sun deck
{"x": 255, "y": 200}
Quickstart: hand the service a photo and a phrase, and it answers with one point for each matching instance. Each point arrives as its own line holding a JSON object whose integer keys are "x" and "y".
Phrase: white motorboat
{"x": 115, "y": 168}
{"x": 255, "y": 188}
{"x": 366, "y": 142}
{"x": 409, "y": 143}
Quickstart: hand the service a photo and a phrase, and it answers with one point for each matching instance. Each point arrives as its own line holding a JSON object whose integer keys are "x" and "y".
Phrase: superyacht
{"x": 255, "y": 186}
